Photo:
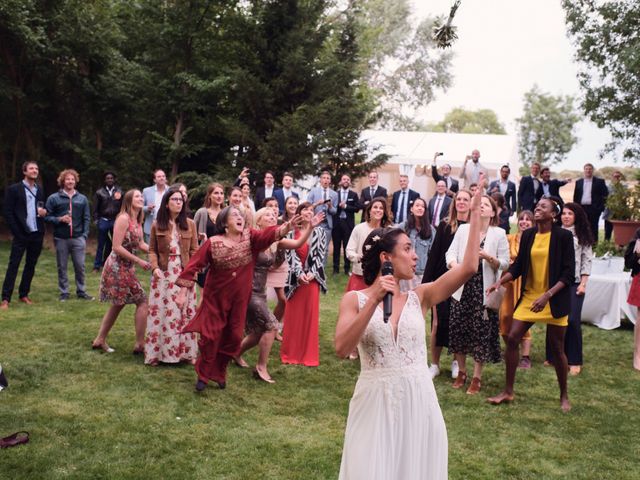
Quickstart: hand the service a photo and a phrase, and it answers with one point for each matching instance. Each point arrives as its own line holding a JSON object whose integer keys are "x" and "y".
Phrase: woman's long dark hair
{"x": 425, "y": 225}
{"x": 163, "y": 217}
{"x": 386, "y": 218}
{"x": 581, "y": 225}
{"x": 379, "y": 240}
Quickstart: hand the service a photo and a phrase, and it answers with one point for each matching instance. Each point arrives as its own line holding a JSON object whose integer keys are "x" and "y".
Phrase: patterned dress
{"x": 118, "y": 283}
{"x": 259, "y": 317}
{"x": 220, "y": 319}
{"x": 474, "y": 329}
{"x": 164, "y": 342}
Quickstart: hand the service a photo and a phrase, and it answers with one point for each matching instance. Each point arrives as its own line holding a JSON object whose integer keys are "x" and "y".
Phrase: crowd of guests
{"x": 452, "y": 255}
{"x": 275, "y": 240}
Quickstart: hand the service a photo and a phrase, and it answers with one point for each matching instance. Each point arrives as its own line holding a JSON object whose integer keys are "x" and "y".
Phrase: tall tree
{"x": 607, "y": 40}
{"x": 403, "y": 64}
{"x": 460, "y": 120}
{"x": 546, "y": 128}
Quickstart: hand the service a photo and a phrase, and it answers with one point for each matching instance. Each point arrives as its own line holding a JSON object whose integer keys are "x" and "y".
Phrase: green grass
{"x": 92, "y": 415}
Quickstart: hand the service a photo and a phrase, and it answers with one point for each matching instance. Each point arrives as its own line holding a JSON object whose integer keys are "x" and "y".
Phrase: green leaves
{"x": 546, "y": 128}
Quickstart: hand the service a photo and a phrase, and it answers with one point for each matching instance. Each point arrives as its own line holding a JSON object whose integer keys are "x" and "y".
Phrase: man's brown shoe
{"x": 26, "y": 300}
{"x": 4, "y": 305}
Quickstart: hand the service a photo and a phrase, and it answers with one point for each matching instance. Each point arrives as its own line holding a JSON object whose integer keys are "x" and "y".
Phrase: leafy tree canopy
{"x": 460, "y": 120}
{"x": 546, "y": 128}
{"x": 607, "y": 40}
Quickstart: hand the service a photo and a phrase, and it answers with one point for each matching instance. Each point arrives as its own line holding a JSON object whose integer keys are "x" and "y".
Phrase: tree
{"x": 607, "y": 41}
{"x": 546, "y": 128}
{"x": 403, "y": 64}
{"x": 460, "y": 120}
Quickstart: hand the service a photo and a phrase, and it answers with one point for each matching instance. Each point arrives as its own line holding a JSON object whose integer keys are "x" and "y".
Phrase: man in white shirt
{"x": 285, "y": 192}
{"x": 344, "y": 222}
{"x": 505, "y": 187}
{"x": 439, "y": 204}
{"x": 471, "y": 171}
{"x": 266, "y": 191}
{"x": 591, "y": 193}
{"x": 152, "y": 198}
{"x": 403, "y": 200}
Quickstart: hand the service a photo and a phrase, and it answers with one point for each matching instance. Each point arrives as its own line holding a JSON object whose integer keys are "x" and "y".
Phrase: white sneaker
{"x": 434, "y": 369}
{"x": 454, "y": 369}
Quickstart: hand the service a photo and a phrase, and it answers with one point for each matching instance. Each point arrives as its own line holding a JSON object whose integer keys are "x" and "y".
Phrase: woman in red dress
{"x": 300, "y": 337}
{"x": 220, "y": 319}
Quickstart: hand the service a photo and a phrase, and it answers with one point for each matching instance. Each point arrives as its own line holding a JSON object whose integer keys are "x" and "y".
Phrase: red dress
{"x": 300, "y": 337}
{"x": 220, "y": 319}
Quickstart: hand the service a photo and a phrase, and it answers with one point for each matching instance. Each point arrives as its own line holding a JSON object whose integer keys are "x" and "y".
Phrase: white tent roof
{"x": 417, "y": 148}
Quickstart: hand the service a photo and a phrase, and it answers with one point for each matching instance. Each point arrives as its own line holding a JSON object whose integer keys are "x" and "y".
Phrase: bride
{"x": 395, "y": 427}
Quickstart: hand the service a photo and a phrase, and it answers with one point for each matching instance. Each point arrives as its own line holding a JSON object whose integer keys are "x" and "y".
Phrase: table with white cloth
{"x": 605, "y": 300}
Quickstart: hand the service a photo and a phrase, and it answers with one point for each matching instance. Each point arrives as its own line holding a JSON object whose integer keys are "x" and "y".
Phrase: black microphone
{"x": 387, "y": 269}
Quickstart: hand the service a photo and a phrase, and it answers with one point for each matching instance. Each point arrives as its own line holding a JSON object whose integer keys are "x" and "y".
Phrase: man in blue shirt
{"x": 24, "y": 213}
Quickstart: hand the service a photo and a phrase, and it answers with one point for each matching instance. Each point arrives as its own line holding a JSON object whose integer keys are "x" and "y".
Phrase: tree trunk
{"x": 177, "y": 138}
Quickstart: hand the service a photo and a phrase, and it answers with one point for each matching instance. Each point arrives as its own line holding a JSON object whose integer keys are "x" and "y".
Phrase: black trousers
{"x": 608, "y": 230}
{"x": 594, "y": 216}
{"x": 442, "y": 334}
{"x": 573, "y": 336}
{"x": 32, "y": 245}
{"x": 340, "y": 234}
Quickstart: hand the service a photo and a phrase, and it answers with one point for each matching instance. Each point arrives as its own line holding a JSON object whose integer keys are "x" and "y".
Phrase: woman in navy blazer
{"x": 561, "y": 271}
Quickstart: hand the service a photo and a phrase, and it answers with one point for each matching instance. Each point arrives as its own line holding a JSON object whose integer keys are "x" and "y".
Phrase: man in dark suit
{"x": 452, "y": 183}
{"x": 281, "y": 194}
{"x": 372, "y": 191}
{"x": 266, "y": 191}
{"x": 343, "y": 222}
{"x": 439, "y": 204}
{"x": 550, "y": 187}
{"x": 403, "y": 200}
{"x": 529, "y": 189}
{"x": 506, "y": 187}
{"x": 24, "y": 212}
{"x": 591, "y": 193}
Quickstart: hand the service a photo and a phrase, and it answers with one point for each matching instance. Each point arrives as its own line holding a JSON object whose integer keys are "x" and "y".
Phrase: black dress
{"x": 474, "y": 329}
{"x": 435, "y": 268}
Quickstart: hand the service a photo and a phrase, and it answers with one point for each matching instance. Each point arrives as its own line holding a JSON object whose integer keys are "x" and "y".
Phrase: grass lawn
{"x": 94, "y": 415}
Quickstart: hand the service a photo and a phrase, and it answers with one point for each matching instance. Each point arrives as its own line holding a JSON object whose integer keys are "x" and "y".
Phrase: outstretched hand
{"x": 296, "y": 221}
{"x": 317, "y": 219}
{"x": 494, "y": 287}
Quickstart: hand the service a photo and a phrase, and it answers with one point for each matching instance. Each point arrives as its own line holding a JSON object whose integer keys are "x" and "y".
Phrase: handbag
{"x": 494, "y": 299}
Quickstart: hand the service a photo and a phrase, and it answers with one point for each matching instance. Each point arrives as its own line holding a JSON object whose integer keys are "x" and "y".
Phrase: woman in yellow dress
{"x": 512, "y": 292}
{"x": 546, "y": 263}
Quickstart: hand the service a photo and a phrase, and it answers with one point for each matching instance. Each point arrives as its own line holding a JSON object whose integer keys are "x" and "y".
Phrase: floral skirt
{"x": 164, "y": 342}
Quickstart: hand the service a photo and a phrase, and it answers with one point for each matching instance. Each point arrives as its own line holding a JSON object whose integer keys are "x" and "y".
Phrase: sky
{"x": 504, "y": 47}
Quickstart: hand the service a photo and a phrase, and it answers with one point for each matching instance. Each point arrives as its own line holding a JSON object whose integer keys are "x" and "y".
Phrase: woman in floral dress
{"x": 119, "y": 284}
{"x": 173, "y": 241}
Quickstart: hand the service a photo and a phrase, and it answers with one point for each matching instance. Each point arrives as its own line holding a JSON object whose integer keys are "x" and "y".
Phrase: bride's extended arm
{"x": 353, "y": 322}
{"x": 435, "y": 292}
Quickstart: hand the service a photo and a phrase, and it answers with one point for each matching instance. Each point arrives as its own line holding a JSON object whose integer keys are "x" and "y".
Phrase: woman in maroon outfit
{"x": 220, "y": 319}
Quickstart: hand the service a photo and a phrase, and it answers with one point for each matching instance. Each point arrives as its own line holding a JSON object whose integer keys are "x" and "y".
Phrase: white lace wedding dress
{"x": 395, "y": 429}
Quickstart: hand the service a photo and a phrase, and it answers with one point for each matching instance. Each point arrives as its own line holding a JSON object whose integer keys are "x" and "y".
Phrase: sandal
{"x": 17, "y": 438}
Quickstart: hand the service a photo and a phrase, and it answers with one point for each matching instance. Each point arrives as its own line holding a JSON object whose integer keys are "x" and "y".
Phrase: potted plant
{"x": 623, "y": 204}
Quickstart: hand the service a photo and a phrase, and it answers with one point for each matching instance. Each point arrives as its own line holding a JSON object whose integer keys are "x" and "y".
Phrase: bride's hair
{"x": 378, "y": 241}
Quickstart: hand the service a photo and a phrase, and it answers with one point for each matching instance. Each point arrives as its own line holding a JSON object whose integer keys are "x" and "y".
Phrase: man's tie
{"x": 373, "y": 190}
{"x": 434, "y": 219}
{"x": 401, "y": 208}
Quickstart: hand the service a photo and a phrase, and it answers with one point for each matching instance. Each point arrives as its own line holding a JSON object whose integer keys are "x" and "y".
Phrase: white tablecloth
{"x": 605, "y": 300}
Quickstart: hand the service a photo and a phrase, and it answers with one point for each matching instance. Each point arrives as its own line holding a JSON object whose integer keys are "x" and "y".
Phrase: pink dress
{"x": 165, "y": 321}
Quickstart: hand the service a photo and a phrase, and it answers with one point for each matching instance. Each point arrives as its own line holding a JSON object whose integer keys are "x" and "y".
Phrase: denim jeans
{"x": 105, "y": 228}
